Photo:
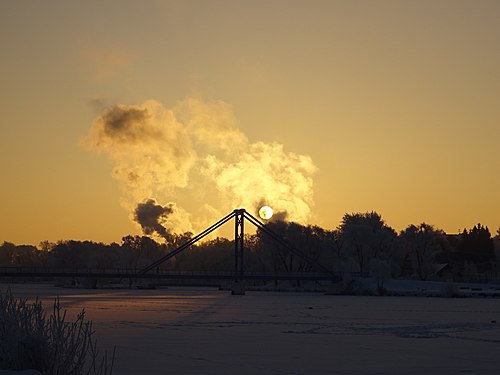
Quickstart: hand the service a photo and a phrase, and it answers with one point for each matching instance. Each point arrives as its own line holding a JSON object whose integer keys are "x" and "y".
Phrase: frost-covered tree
{"x": 422, "y": 243}
{"x": 366, "y": 236}
{"x": 6, "y": 251}
{"x": 310, "y": 241}
{"x": 335, "y": 253}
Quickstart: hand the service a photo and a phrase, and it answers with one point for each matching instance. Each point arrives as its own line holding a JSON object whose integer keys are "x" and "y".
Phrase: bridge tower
{"x": 238, "y": 287}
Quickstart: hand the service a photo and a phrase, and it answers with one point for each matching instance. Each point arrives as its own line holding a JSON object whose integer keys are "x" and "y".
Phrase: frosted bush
{"x": 51, "y": 345}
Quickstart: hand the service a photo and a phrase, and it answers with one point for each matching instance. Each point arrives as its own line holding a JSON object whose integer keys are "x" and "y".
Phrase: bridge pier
{"x": 238, "y": 288}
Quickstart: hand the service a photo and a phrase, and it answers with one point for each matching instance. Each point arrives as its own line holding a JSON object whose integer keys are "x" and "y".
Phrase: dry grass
{"x": 52, "y": 345}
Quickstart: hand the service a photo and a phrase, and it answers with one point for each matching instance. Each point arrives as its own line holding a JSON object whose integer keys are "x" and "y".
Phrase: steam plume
{"x": 196, "y": 154}
{"x": 150, "y": 215}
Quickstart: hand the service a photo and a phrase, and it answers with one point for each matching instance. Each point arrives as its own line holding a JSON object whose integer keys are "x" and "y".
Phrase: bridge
{"x": 123, "y": 273}
{"x": 238, "y": 276}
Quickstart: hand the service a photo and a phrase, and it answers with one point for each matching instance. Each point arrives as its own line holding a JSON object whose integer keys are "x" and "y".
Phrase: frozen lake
{"x": 207, "y": 331}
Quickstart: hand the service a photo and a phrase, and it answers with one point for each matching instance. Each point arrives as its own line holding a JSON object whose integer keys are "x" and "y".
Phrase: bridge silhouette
{"x": 238, "y": 276}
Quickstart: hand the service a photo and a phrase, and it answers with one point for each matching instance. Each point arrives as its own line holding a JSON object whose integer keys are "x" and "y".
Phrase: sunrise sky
{"x": 326, "y": 106}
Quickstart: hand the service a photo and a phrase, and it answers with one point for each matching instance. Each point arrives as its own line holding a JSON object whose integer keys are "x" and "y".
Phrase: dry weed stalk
{"x": 53, "y": 346}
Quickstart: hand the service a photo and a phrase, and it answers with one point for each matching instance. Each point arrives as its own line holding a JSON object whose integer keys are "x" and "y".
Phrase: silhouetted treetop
{"x": 476, "y": 245}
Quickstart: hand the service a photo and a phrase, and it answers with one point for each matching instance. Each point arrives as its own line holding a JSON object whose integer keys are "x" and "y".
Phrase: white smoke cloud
{"x": 266, "y": 174}
{"x": 212, "y": 126}
{"x": 195, "y": 155}
{"x": 150, "y": 149}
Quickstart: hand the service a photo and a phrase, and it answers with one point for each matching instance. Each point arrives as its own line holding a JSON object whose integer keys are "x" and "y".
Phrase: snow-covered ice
{"x": 207, "y": 331}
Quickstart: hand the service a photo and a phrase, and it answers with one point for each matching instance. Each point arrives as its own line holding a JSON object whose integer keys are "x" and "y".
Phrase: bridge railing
{"x": 132, "y": 273}
{"x": 62, "y": 270}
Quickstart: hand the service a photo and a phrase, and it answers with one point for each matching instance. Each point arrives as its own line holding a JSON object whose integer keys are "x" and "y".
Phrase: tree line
{"x": 362, "y": 244}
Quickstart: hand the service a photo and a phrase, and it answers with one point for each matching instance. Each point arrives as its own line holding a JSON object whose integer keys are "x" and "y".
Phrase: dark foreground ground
{"x": 207, "y": 331}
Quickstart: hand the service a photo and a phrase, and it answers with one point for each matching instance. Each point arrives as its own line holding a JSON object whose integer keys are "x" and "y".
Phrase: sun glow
{"x": 266, "y": 212}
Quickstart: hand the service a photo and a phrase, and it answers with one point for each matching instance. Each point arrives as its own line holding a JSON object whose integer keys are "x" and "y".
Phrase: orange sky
{"x": 394, "y": 102}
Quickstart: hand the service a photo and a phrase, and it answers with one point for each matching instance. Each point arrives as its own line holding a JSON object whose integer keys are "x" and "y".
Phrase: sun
{"x": 266, "y": 212}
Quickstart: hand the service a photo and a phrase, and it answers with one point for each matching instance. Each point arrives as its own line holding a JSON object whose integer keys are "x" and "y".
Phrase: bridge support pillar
{"x": 238, "y": 287}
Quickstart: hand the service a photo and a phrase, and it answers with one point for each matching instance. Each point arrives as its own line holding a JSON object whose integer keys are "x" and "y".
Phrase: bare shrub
{"x": 381, "y": 271}
{"x": 52, "y": 345}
